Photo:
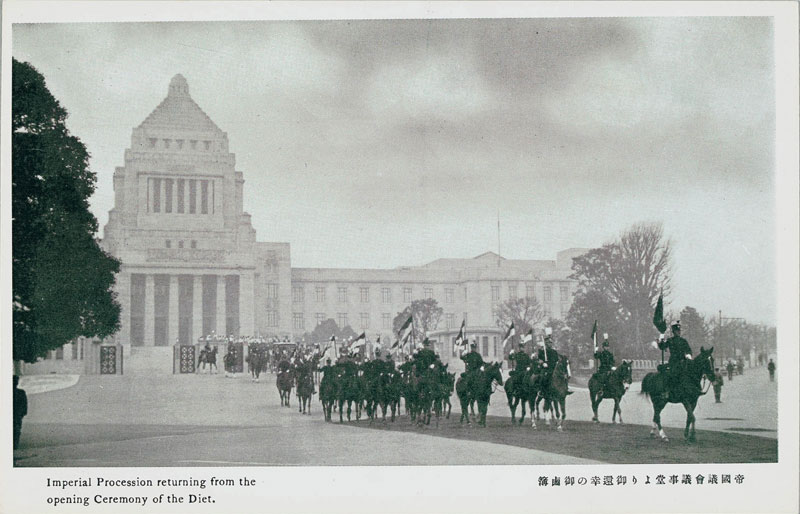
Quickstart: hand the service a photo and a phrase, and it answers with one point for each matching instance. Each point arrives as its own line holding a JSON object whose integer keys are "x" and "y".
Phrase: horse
{"x": 687, "y": 391}
{"x": 478, "y": 387}
{"x": 256, "y": 361}
{"x": 554, "y": 393}
{"x": 617, "y": 383}
{"x": 518, "y": 388}
{"x": 348, "y": 389}
{"x": 327, "y": 392}
{"x": 285, "y": 382}
{"x": 305, "y": 387}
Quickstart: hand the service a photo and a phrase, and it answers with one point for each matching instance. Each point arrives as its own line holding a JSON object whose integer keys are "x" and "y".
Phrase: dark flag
{"x": 658, "y": 316}
{"x": 509, "y": 334}
{"x": 406, "y": 328}
{"x": 462, "y": 336}
{"x": 594, "y": 335}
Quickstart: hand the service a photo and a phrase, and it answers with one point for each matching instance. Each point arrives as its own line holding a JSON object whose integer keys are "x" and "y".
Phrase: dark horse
{"x": 518, "y": 392}
{"x": 617, "y": 383}
{"x": 256, "y": 361}
{"x": 207, "y": 357}
{"x": 285, "y": 382}
{"x": 327, "y": 392}
{"x": 687, "y": 390}
{"x": 477, "y": 386}
{"x": 554, "y": 393}
{"x": 305, "y": 387}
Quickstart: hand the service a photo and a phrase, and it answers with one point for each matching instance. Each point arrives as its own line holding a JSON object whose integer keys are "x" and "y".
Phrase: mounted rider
{"x": 680, "y": 353}
{"x": 549, "y": 357}
{"x": 606, "y": 364}
{"x": 472, "y": 359}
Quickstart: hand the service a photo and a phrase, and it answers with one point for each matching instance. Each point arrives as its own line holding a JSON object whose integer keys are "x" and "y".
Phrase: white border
{"x": 768, "y": 488}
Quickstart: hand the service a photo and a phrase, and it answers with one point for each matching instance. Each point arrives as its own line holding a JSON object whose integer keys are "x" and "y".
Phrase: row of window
{"x": 192, "y": 244}
{"x": 182, "y": 196}
{"x": 298, "y": 294}
{"x": 178, "y": 144}
{"x": 76, "y": 351}
{"x": 343, "y": 320}
{"x": 483, "y": 347}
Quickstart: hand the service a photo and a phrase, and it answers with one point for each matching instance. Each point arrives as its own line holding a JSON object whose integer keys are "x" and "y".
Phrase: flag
{"x": 461, "y": 338}
{"x": 509, "y": 334}
{"x": 405, "y": 339}
{"x": 407, "y": 327}
{"x": 528, "y": 337}
{"x": 594, "y": 335}
{"x": 359, "y": 341}
{"x": 333, "y": 338}
{"x": 658, "y": 316}
{"x": 396, "y": 344}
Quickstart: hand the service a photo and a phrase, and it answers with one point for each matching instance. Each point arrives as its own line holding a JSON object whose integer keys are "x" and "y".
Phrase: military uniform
{"x": 718, "y": 383}
{"x": 679, "y": 349}
{"x": 472, "y": 360}
{"x": 606, "y": 364}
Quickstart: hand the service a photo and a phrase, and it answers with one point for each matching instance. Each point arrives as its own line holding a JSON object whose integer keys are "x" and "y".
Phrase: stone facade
{"x": 191, "y": 265}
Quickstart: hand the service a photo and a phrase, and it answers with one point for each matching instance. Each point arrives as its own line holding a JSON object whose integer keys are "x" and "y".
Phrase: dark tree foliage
{"x": 62, "y": 279}
{"x": 322, "y": 333}
{"x": 590, "y": 306}
{"x": 694, "y": 328}
{"x": 630, "y": 272}
{"x": 427, "y": 314}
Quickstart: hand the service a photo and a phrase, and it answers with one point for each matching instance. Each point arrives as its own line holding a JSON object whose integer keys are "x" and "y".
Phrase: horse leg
{"x": 657, "y": 408}
{"x": 563, "y": 403}
{"x": 512, "y": 406}
{"x": 522, "y": 416}
{"x": 595, "y": 404}
{"x": 689, "y": 432}
{"x": 341, "y": 409}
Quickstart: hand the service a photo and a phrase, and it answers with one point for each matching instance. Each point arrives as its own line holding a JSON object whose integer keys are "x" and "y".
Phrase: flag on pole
{"x": 528, "y": 337}
{"x": 658, "y": 315}
{"x": 461, "y": 338}
{"x": 509, "y": 334}
{"x": 594, "y": 335}
{"x": 406, "y": 328}
{"x": 396, "y": 344}
{"x": 359, "y": 341}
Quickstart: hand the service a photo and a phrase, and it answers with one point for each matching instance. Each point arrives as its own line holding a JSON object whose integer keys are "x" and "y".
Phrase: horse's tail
{"x": 648, "y": 385}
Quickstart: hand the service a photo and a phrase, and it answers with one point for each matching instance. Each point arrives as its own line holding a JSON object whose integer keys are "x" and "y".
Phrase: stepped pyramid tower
{"x": 190, "y": 260}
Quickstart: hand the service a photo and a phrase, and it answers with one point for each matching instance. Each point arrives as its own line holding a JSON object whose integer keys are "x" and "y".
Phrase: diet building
{"x": 191, "y": 264}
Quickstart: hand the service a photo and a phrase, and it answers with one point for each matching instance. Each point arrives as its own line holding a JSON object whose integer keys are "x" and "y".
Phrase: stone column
{"x": 221, "y": 314}
{"x": 247, "y": 304}
{"x": 149, "y": 310}
{"x": 172, "y": 323}
{"x": 197, "y": 308}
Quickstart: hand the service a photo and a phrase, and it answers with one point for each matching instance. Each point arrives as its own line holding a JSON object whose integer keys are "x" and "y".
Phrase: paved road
{"x": 210, "y": 420}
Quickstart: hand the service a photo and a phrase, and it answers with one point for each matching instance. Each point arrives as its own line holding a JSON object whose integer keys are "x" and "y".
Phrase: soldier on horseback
{"x": 548, "y": 357}
{"x": 606, "y": 360}
{"x": 472, "y": 359}
{"x": 679, "y": 354}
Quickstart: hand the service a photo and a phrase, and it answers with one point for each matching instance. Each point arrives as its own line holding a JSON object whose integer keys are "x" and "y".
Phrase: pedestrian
{"x": 730, "y": 367}
{"x": 718, "y": 383}
{"x": 771, "y": 369}
{"x": 20, "y": 410}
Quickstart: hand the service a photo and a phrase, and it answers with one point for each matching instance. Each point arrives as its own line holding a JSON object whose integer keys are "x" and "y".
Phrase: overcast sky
{"x": 387, "y": 143}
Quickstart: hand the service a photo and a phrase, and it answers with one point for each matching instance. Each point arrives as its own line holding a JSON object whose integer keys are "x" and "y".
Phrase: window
{"x": 298, "y": 322}
{"x": 156, "y": 195}
{"x": 168, "y": 243}
{"x": 342, "y": 295}
{"x": 512, "y": 291}
{"x": 194, "y": 244}
{"x": 548, "y": 293}
{"x": 320, "y": 294}
{"x": 448, "y": 295}
{"x": 564, "y": 293}
{"x": 548, "y": 312}
{"x": 168, "y": 195}
{"x": 181, "y": 185}
{"x": 320, "y": 317}
{"x": 386, "y": 320}
{"x": 450, "y": 319}
{"x": 167, "y": 143}
{"x": 152, "y": 141}
{"x": 204, "y": 197}
{"x": 272, "y": 291}
{"x": 180, "y": 244}
{"x": 193, "y": 144}
{"x": 364, "y": 320}
{"x": 298, "y": 294}
{"x": 60, "y": 353}
{"x": 272, "y": 318}
{"x": 207, "y": 145}
{"x": 453, "y": 346}
{"x": 407, "y": 295}
{"x": 495, "y": 345}
{"x": 530, "y": 291}
{"x": 495, "y": 293}
{"x": 364, "y": 295}
{"x": 81, "y": 345}
{"x": 341, "y": 319}
{"x": 74, "y": 348}
{"x": 192, "y": 196}
{"x": 180, "y": 143}
{"x": 485, "y": 346}
{"x": 428, "y": 293}
{"x": 386, "y": 295}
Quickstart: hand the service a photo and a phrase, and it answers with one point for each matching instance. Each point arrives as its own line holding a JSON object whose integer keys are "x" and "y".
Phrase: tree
{"x": 587, "y": 307}
{"x": 322, "y": 332}
{"x": 525, "y": 313}
{"x": 426, "y": 315}
{"x": 631, "y": 272}
{"x": 62, "y": 279}
{"x": 694, "y": 328}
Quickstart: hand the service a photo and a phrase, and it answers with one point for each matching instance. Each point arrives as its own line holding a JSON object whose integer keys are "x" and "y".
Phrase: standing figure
{"x": 718, "y": 383}
{"x": 730, "y": 367}
{"x": 771, "y": 369}
{"x": 20, "y": 410}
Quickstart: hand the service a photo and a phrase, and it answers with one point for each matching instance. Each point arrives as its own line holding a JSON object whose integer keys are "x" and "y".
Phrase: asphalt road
{"x": 210, "y": 420}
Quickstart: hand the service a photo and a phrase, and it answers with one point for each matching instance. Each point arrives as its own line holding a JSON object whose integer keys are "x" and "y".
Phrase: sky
{"x": 392, "y": 143}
